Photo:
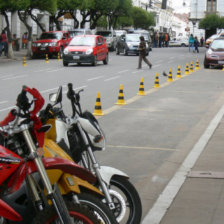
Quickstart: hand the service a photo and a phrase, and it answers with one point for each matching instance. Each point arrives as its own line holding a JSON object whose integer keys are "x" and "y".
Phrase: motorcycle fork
{"x": 40, "y": 166}
{"x": 96, "y": 167}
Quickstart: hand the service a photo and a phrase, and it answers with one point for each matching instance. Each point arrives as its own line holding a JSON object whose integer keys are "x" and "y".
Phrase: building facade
{"x": 200, "y": 8}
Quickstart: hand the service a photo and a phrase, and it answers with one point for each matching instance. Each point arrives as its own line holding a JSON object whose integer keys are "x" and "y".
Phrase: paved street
{"x": 156, "y": 138}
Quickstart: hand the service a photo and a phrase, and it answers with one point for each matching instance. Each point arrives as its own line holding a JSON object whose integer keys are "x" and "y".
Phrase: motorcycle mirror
{"x": 56, "y": 97}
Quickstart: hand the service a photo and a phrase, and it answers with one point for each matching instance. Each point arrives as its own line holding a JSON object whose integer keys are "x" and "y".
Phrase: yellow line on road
{"x": 139, "y": 147}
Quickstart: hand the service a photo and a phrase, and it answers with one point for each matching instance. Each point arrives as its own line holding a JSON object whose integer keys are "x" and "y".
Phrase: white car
{"x": 178, "y": 42}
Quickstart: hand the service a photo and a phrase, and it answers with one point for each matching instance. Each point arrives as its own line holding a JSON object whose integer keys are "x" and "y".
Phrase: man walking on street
{"x": 142, "y": 53}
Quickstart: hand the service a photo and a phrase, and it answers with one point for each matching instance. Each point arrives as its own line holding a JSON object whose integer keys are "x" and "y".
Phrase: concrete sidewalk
{"x": 201, "y": 197}
{"x": 18, "y": 56}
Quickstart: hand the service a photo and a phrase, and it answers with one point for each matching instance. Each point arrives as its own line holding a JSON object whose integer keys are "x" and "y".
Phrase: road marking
{"x": 6, "y": 76}
{"x": 3, "y": 102}
{"x": 8, "y": 108}
{"x": 49, "y": 90}
{"x": 157, "y": 212}
{"x": 139, "y": 147}
{"x": 42, "y": 70}
{"x": 15, "y": 77}
{"x": 98, "y": 77}
{"x": 115, "y": 77}
{"x": 56, "y": 70}
{"x": 123, "y": 71}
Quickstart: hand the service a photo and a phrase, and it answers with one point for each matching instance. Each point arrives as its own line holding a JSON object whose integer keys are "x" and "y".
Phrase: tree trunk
{"x": 35, "y": 19}
{"x": 76, "y": 22}
{"x": 9, "y": 35}
{"x": 29, "y": 28}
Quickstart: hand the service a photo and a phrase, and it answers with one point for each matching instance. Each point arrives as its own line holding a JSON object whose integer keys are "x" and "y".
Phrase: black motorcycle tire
{"x": 76, "y": 211}
{"x": 95, "y": 204}
{"x": 132, "y": 199}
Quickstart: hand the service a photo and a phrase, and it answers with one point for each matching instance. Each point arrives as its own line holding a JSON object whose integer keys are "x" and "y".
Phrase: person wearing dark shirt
{"x": 142, "y": 53}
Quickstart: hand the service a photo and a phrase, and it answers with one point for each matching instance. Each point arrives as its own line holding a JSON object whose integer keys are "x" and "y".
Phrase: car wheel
{"x": 78, "y": 63}
{"x": 94, "y": 63}
{"x": 206, "y": 66}
{"x": 117, "y": 51}
{"x": 105, "y": 61}
{"x": 65, "y": 63}
{"x": 183, "y": 45}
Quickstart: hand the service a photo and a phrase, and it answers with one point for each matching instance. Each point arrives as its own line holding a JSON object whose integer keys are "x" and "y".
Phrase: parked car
{"x": 210, "y": 39}
{"x": 110, "y": 37}
{"x": 215, "y": 54}
{"x": 51, "y": 43}
{"x": 128, "y": 44}
{"x": 179, "y": 42}
{"x": 120, "y": 32}
{"x": 86, "y": 49}
{"x": 76, "y": 32}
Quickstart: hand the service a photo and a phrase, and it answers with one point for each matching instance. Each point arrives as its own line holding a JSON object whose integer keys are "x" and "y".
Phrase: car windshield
{"x": 75, "y": 33}
{"x": 45, "y": 36}
{"x": 217, "y": 45}
{"x": 132, "y": 38}
{"x": 104, "y": 33}
{"x": 82, "y": 41}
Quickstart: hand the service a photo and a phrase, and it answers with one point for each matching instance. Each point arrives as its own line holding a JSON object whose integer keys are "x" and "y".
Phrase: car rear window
{"x": 132, "y": 38}
{"x": 104, "y": 33}
{"x": 82, "y": 41}
{"x": 45, "y": 36}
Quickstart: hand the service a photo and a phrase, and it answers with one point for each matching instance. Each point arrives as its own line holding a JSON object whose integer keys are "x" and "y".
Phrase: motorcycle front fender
{"x": 108, "y": 172}
{"x": 64, "y": 165}
{"x": 8, "y": 212}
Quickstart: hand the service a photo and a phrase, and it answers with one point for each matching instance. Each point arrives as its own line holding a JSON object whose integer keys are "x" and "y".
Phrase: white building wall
{"x": 220, "y": 7}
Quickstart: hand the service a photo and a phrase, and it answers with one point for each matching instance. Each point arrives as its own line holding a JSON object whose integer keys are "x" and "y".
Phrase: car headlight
{"x": 129, "y": 45}
{"x": 89, "y": 51}
{"x": 65, "y": 51}
{"x": 53, "y": 44}
{"x": 34, "y": 44}
{"x": 209, "y": 51}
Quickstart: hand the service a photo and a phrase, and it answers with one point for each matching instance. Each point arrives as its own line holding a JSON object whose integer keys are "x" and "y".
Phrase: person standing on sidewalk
{"x": 142, "y": 53}
{"x": 196, "y": 44}
{"x": 3, "y": 43}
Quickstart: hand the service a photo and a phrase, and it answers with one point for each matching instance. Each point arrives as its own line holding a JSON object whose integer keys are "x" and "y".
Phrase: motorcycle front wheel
{"x": 100, "y": 209}
{"x": 128, "y": 207}
{"x": 78, "y": 213}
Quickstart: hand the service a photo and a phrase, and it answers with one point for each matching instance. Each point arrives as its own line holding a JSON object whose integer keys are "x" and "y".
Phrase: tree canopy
{"x": 212, "y": 21}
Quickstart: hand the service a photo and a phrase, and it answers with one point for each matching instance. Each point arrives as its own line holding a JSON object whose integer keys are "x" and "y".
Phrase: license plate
{"x": 75, "y": 57}
{"x": 42, "y": 48}
{"x": 221, "y": 62}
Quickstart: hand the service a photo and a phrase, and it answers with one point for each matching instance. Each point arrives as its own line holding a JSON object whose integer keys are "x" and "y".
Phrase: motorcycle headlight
{"x": 65, "y": 51}
{"x": 89, "y": 51}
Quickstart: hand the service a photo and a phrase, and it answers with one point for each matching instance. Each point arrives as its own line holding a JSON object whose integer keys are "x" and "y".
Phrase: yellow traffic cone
{"x": 98, "y": 110}
{"x": 191, "y": 67}
{"x": 170, "y": 77}
{"x": 178, "y": 72}
{"x": 187, "y": 69}
{"x": 121, "y": 100}
{"x": 197, "y": 65}
{"x": 24, "y": 62}
{"x": 141, "y": 91}
{"x": 223, "y": 68}
{"x": 156, "y": 85}
{"x": 59, "y": 58}
{"x": 46, "y": 60}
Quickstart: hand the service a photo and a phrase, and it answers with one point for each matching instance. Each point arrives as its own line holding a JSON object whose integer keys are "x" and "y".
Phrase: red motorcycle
{"x": 26, "y": 165}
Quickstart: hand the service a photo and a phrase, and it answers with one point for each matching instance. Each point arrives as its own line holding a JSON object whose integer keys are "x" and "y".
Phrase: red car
{"x": 214, "y": 56}
{"x": 86, "y": 49}
{"x": 51, "y": 43}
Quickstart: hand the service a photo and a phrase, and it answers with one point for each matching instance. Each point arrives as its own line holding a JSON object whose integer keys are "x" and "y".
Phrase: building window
{"x": 211, "y": 5}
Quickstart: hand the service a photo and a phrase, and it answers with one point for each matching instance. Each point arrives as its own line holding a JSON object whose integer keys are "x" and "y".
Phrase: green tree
{"x": 11, "y": 6}
{"x": 124, "y": 21}
{"x": 211, "y": 21}
{"x": 142, "y": 18}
